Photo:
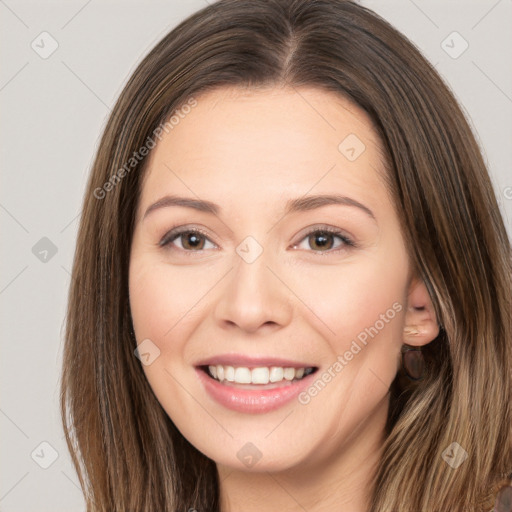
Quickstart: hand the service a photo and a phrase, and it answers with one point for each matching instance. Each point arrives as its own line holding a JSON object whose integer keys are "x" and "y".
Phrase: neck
{"x": 340, "y": 480}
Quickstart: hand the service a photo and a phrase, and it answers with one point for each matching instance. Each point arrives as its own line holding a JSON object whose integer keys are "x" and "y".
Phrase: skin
{"x": 249, "y": 152}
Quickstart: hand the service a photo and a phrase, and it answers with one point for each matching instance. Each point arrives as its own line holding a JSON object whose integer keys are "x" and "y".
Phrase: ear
{"x": 421, "y": 325}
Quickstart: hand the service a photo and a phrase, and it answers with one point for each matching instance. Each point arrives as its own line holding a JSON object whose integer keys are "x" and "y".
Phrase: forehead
{"x": 253, "y": 146}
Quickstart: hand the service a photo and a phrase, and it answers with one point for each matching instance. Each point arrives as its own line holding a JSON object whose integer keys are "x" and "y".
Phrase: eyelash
{"x": 175, "y": 233}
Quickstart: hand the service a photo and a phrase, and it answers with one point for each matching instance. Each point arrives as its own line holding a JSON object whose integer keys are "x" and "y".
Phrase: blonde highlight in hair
{"x": 128, "y": 453}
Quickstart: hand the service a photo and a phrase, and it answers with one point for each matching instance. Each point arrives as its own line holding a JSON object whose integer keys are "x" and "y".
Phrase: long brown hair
{"x": 128, "y": 454}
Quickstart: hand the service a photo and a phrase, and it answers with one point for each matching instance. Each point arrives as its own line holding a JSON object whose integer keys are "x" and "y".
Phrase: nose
{"x": 254, "y": 297}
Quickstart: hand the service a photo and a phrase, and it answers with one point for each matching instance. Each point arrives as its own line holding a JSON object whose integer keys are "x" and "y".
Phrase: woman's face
{"x": 261, "y": 288}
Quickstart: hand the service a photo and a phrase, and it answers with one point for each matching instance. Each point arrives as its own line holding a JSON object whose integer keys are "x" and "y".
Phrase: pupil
{"x": 322, "y": 236}
{"x": 193, "y": 240}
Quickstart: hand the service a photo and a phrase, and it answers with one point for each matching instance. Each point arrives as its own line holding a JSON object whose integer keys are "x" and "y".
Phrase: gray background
{"x": 53, "y": 112}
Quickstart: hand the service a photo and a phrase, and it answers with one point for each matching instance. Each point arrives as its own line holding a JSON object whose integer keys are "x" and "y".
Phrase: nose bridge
{"x": 253, "y": 296}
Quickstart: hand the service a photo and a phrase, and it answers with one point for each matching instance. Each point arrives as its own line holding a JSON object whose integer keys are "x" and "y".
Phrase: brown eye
{"x": 192, "y": 240}
{"x": 324, "y": 240}
{"x": 320, "y": 240}
{"x": 188, "y": 240}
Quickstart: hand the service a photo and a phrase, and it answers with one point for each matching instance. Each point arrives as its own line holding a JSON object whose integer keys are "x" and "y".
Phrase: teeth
{"x": 276, "y": 374}
{"x": 289, "y": 373}
{"x": 260, "y": 376}
{"x": 229, "y": 373}
{"x": 243, "y": 375}
{"x": 263, "y": 375}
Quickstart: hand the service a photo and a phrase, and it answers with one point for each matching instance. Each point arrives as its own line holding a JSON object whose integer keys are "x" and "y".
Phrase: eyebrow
{"x": 301, "y": 204}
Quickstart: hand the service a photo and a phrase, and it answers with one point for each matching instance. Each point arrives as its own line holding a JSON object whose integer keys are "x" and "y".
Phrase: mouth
{"x": 254, "y": 389}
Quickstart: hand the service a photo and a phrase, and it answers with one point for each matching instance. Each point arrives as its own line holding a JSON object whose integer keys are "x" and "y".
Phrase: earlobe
{"x": 421, "y": 326}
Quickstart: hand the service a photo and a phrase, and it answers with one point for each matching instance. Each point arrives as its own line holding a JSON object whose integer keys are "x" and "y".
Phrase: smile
{"x": 253, "y": 390}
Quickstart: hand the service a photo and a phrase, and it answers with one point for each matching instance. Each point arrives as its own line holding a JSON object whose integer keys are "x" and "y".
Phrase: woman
{"x": 292, "y": 280}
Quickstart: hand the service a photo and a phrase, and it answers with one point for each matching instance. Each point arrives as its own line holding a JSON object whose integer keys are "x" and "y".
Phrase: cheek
{"x": 165, "y": 304}
{"x": 358, "y": 307}
{"x": 168, "y": 304}
{"x": 162, "y": 299}
{"x": 350, "y": 298}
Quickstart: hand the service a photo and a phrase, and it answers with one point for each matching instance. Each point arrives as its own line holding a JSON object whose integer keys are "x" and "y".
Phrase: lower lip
{"x": 252, "y": 401}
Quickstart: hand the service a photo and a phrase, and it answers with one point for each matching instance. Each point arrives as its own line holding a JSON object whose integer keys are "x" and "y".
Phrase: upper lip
{"x": 241, "y": 360}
